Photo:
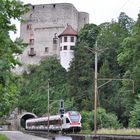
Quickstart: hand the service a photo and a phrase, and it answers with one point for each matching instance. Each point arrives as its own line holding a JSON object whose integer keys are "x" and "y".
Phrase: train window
{"x": 67, "y": 120}
{"x": 74, "y": 116}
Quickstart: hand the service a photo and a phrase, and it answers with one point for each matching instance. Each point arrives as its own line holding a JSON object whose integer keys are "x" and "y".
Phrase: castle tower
{"x": 67, "y": 43}
{"x": 41, "y": 27}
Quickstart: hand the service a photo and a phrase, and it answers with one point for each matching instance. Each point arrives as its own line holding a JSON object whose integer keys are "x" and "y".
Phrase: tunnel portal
{"x": 25, "y": 117}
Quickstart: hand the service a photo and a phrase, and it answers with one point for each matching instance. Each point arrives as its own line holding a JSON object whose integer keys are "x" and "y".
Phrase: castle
{"x": 50, "y": 30}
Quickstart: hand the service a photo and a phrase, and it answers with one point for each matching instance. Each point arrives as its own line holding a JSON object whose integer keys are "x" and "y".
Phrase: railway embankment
{"x": 105, "y": 137}
{"x": 53, "y": 136}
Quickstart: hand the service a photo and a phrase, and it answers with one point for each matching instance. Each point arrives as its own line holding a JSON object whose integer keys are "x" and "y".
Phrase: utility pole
{"x": 48, "y": 107}
{"x": 95, "y": 88}
{"x": 95, "y": 51}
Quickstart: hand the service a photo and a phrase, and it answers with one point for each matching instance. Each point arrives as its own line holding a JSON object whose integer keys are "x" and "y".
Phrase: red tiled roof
{"x": 68, "y": 31}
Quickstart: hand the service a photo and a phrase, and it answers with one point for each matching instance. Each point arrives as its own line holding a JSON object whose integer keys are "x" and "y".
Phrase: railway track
{"x": 85, "y": 136}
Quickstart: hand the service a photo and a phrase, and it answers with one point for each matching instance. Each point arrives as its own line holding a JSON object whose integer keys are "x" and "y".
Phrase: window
{"x": 53, "y": 5}
{"x": 72, "y": 47}
{"x": 31, "y": 52}
{"x": 65, "y": 39}
{"x": 54, "y": 40}
{"x": 46, "y": 49}
{"x": 60, "y": 39}
{"x": 29, "y": 26}
{"x": 72, "y": 39}
{"x": 65, "y": 47}
{"x": 84, "y": 20}
{"x": 31, "y": 41}
{"x": 67, "y": 120}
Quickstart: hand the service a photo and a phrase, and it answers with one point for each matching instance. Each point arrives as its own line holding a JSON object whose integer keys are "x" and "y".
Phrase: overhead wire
{"x": 120, "y": 8}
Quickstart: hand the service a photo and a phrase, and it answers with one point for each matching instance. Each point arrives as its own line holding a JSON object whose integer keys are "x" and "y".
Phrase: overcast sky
{"x": 99, "y": 10}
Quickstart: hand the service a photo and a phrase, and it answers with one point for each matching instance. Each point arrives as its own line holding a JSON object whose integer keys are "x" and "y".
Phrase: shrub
{"x": 104, "y": 120}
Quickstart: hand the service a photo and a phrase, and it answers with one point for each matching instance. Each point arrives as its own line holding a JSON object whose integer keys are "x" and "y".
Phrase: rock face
{"x": 41, "y": 27}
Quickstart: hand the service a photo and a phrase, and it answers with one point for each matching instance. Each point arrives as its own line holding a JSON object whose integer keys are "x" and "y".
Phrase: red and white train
{"x": 70, "y": 122}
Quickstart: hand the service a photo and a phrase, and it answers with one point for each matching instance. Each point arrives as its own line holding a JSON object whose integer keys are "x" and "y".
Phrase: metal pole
{"x": 95, "y": 93}
{"x": 48, "y": 107}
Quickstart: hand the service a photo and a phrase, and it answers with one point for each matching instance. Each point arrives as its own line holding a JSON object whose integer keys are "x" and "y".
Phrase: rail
{"x": 52, "y": 136}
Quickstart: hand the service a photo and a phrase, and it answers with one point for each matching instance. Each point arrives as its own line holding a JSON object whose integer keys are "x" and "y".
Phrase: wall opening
{"x": 25, "y": 117}
{"x": 54, "y": 5}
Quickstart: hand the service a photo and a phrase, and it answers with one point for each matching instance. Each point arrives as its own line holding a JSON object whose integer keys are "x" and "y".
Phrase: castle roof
{"x": 69, "y": 31}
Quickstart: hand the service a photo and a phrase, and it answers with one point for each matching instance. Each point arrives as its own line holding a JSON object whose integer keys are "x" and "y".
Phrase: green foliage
{"x": 87, "y": 120}
{"x": 118, "y": 58}
{"x": 9, "y": 95}
{"x": 82, "y": 69}
{"x": 110, "y": 41}
{"x": 80, "y": 82}
{"x": 88, "y": 35}
{"x": 104, "y": 120}
{"x": 34, "y": 92}
{"x": 135, "y": 115}
{"x": 3, "y": 137}
{"x": 107, "y": 120}
{"x": 8, "y": 89}
{"x": 112, "y": 96}
{"x": 125, "y": 22}
{"x": 129, "y": 59}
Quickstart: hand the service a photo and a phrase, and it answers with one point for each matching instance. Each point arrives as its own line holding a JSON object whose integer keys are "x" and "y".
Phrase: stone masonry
{"x": 42, "y": 26}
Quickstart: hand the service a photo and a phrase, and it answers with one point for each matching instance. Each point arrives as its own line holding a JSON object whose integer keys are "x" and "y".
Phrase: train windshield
{"x": 74, "y": 116}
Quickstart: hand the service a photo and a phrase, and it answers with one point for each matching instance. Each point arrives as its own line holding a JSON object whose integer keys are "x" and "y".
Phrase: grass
{"x": 3, "y": 137}
{"x": 85, "y": 131}
{"x": 123, "y": 131}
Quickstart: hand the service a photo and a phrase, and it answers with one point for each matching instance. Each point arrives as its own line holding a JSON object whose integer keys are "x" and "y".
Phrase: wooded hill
{"x": 118, "y": 106}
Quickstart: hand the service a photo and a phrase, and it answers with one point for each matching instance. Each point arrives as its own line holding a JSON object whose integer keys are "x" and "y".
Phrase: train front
{"x": 75, "y": 121}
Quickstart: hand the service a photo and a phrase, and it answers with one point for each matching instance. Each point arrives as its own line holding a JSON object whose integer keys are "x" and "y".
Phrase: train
{"x": 69, "y": 123}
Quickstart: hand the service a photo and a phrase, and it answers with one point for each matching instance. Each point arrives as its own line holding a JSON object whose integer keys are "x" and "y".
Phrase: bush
{"x": 135, "y": 115}
{"x": 107, "y": 120}
{"x": 104, "y": 120}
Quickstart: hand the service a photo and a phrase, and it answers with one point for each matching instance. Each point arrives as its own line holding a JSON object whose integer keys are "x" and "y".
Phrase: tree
{"x": 8, "y": 10}
{"x": 111, "y": 95}
{"x": 82, "y": 69}
{"x": 34, "y": 97}
{"x": 135, "y": 115}
{"x": 126, "y": 22}
{"x": 129, "y": 56}
{"x": 104, "y": 120}
{"x": 129, "y": 59}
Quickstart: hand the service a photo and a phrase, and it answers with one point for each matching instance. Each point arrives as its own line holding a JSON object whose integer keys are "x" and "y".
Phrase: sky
{"x": 100, "y": 11}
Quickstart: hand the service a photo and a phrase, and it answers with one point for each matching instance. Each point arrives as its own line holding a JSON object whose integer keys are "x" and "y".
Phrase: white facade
{"x": 67, "y": 51}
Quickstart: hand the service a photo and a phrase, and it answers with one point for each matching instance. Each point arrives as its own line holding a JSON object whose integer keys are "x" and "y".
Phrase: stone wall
{"x": 44, "y": 22}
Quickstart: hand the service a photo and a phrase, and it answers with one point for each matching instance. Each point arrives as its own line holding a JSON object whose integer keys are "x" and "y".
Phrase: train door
{"x": 63, "y": 122}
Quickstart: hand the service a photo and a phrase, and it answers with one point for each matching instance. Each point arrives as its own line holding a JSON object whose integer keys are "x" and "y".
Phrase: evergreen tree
{"x": 81, "y": 74}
